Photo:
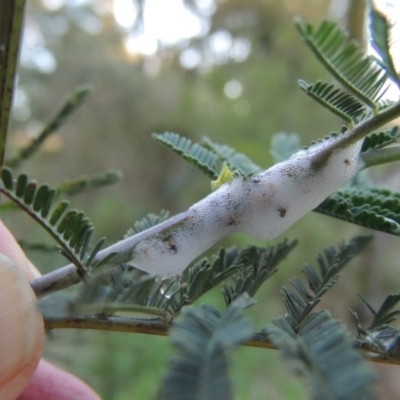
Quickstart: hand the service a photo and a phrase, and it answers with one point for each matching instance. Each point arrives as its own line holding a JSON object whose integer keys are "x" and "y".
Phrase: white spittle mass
{"x": 262, "y": 206}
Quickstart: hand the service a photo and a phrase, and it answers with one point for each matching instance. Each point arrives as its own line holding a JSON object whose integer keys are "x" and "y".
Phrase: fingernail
{"x": 21, "y": 330}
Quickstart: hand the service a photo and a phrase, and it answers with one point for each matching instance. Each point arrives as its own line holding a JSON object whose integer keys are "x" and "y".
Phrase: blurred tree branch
{"x": 11, "y": 16}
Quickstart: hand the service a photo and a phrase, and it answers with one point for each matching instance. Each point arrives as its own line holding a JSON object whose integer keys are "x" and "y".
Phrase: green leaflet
{"x": 196, "y": 154}
{"x": 70, "y": 229}
{"x": 381, "y": 139}
{"x": 357, "y": 72}
{"x": 380, "y": 336}
{"x": 259, "y": 265}
{"x": 322, "y": 353}
{"x": 335, "y": 100}
{"x": 71, "y": 104}
{"x": 209, "y": 157}
{"x": 374, "y": 208}
{"x": 147, "y": 222}
{"x": 235, "y": 160}
{"x": 301, "y": 300}
{"x": 204, "y": 337}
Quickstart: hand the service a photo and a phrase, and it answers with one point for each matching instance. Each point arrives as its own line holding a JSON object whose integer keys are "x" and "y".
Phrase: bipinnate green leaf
{"x": 385, "y": 314}
{"x": 209, "y": 157}
{"x": 381, "y": 337}
{"x": 301, "y": 300}
{"x": 322, "y": 354}
{"x": 259, "y": 264}
{"x": 374, "y": 208}
{"x": 196, "y": 154}
{"x": 360, "y": 74}
{"x": 203, "y": 338}
{"x": 235, "y": 160}
{"x": 147, "y": 222}
{"x": 71, "y": 104}
{"x": 380, "y": 30}
{"x": 336, "y": 100}
{"x": 71, "y": 229}
{"x": 381, "y": 139}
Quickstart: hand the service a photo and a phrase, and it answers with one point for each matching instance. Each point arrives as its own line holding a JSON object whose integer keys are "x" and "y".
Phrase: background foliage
{"x": 134, "y": 96}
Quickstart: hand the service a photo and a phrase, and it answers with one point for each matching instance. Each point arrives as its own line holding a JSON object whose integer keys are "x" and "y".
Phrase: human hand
{"x": 23, "y": 375}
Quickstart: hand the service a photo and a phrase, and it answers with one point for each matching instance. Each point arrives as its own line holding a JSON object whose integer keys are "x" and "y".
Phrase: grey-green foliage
{"x": 260, "y": 264}
{"x": 302, "y": 299}
{"x": 283, "y": 145}
{"x": 203, "y": 337}
{"x": 380, "y": 335}
{"x": 248, "y": 269}
{"x": 373, "y": 208}
{"x": 318, "y": 348}
{"x": 321, "y": 353}
{"x": 71, "y": 230}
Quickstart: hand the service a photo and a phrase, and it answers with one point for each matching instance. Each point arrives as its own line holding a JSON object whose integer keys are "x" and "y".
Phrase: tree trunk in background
{"x": 355, "y": 21}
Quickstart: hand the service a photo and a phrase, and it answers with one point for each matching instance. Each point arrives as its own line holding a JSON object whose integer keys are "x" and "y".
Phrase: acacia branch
{"x": 155, "y": 326}
{"x": 164, "y": 233}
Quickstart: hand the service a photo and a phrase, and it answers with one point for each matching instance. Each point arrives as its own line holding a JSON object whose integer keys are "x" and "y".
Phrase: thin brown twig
{"x": 155, "y": 326}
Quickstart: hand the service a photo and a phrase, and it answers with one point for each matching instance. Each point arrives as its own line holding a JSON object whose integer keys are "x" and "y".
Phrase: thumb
{"x": 21, "y": 330}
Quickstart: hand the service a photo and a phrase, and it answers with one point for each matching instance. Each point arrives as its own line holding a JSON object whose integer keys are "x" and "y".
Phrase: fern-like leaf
{"x": 301, "y": 301}
{"x": 204, "y": 338}
{"x": 197, "y": 155}
{"x": 381, "y": 139}
{"x": 252, "y": 262}
{"x": 335, "y": 100}
{"x": 203, "y": 275}
{"x": 380, "y": 337}
{"x": 70, "y": 229}
{"x": 72, "y": 103}
{"x": 380, "y": 28}
{"x": 147, "y": 222}
{"x": 235, "y": 160}
{"x": 260, "y": 265}
{"x": 120, "y": 289}
{"x": 385, "y": 315}
{"x": 378, "y": 209}
{"x": 358, "y": 73}
{"x": 323, "y": 355}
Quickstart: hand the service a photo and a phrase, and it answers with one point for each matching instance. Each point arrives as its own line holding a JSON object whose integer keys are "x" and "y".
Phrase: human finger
{"x": 21, "y": 327}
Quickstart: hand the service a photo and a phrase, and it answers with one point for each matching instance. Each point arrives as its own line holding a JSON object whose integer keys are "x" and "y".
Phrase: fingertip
{"x": 52, "y": 383}
{"x": 21, "y": 330}
{"x": 12, "y": 250}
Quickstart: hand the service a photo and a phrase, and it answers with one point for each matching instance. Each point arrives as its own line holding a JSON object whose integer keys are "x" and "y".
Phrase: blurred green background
{"x": 235, "y": 81}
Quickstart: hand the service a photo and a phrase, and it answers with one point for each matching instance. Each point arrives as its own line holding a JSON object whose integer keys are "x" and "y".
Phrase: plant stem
{"x": 358, "y": 132}
{"x": 68, "y": 275}
{"x": 11, "y": 18}
{"x": 381, "y": 156}
{"x": 123, "y": 250}
{"x": 155, "y": 326}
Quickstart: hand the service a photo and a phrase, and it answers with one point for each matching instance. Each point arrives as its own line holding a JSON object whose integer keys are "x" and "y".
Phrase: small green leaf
{"x": 7, "y": 178}
{"x": 21, "y": 185}
{"x": 58, "y": 212}
{"x": 30, "y": 192}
